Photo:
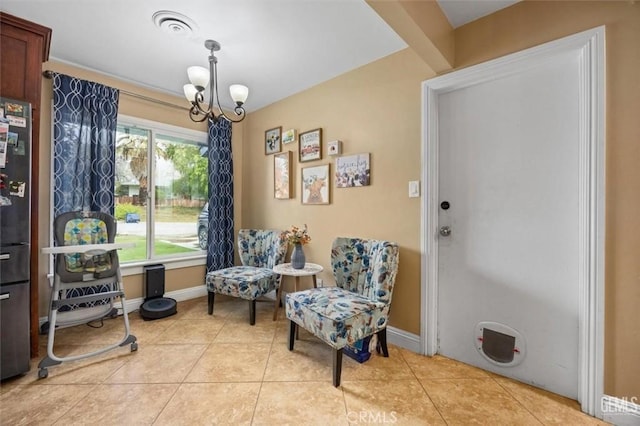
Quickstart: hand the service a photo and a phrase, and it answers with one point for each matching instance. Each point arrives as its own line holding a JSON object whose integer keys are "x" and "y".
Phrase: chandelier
{"x": 200, "y": 78}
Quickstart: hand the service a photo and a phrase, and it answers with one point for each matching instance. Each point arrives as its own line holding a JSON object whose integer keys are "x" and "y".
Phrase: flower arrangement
{"x": 296, "y": 235}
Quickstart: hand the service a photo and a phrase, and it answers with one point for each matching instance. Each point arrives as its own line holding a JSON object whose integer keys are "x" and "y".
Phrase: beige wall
{"x": 176, "y": 279}
{"x": 531, "y": 23}
{"x": 373, "y": 109}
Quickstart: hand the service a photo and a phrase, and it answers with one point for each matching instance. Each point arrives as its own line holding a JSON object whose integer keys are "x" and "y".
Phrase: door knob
{"x": 445, "y": 231}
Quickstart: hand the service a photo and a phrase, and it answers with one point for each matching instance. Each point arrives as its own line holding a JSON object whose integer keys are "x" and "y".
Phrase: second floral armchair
{"x": 365, "y": 273}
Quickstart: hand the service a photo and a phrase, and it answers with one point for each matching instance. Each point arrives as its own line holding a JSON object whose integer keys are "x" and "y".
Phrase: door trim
{"x": 590, "y": 46}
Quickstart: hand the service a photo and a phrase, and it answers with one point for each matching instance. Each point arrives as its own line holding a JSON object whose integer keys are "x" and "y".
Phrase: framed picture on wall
{"x": 289, "y": 136}
{"x": 334, "y": 148}
{"x": 272, "y": 140}
{"x": 282, "y": 175}
{"x": 353, "y": 170}
{"x": 310, "y": 145}
{"x": 315, "y": 184}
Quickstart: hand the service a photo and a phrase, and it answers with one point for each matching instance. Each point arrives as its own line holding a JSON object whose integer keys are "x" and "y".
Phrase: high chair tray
{"x": 83, "y": 248}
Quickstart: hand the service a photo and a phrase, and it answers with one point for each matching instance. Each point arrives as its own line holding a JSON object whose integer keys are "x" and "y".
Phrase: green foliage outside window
{"x": 192, "y": 168}
{"x": 121, "y": 211}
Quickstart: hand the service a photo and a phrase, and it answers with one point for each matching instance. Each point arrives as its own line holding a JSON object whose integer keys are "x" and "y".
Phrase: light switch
{"x": 414, "y": 189}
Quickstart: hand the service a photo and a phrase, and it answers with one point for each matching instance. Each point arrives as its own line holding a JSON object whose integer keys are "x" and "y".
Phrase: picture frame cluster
{"x": 353, "y": 170}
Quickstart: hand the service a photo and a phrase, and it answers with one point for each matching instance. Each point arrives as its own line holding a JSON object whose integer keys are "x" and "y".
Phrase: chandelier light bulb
{"x": 239, "y": 93}
{"x": 198, "y": 76}
{"x": 190, "y": 92}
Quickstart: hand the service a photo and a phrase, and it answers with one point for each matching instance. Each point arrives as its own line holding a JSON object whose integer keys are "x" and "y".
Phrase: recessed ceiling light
{"x": 174, "y": 23}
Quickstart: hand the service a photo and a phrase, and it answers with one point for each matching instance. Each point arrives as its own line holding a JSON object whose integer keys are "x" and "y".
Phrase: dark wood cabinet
{"x": 25, "y": 46}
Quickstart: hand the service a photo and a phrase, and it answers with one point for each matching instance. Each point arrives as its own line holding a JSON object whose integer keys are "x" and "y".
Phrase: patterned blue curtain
{"x": 84, "y": 134}
{"x": 220, "y": 239}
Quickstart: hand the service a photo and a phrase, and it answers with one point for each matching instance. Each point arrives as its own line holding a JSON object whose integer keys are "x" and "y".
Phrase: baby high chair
{"x": 87, "y": 280}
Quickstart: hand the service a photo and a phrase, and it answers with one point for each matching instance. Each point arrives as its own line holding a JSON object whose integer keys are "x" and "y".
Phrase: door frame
{"x": 590, "y": 46}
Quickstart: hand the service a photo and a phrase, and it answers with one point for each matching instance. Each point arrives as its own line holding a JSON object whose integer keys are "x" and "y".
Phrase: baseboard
{"x": 179, "y": 295}
{"x": 621, "y": 411}
{"x": 404, "y": 339}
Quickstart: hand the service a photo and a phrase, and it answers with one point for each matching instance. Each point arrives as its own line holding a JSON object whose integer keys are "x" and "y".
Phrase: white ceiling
{"x": 275, "y": 47}
{"x": 460, "y": 12}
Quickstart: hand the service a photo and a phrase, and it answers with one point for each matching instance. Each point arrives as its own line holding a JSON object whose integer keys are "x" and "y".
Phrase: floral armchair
{"x": 365, "y": 273}
{"x": 260, "y": 251}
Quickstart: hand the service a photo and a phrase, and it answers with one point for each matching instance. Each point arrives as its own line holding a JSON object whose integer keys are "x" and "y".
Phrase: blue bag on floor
{"x": 359, "y": 351}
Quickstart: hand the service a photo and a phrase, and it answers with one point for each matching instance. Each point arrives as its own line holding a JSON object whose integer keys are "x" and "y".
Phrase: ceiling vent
{"x": 174, "y": 23}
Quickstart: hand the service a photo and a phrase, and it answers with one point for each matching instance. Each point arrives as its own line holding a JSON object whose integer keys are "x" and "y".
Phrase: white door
{"x": 515, "y": 147}
{"x": 508, "y": 168}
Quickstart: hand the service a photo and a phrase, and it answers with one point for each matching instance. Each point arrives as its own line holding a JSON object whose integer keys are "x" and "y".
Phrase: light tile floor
{"x": 193, "y": 368}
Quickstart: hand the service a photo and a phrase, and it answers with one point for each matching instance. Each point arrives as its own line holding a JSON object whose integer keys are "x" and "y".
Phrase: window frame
{"x": 155, "y": 128}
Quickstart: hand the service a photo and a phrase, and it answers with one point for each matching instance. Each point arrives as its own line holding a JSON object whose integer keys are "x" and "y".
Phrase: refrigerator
{"x": 15, "y": 213}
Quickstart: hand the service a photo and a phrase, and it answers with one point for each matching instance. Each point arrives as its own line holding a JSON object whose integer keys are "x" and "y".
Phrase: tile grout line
{"x": 422, "y": 386}
{"x": 182, "y": 382}
{"x": 346, "y": 408}
{"x": 266, "y": 365}
{"x": 515, "y": 398}
{"x": 94, "y": 386}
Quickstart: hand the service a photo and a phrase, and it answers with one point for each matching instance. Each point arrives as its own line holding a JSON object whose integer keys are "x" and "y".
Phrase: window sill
{"x": 137, "y": 268}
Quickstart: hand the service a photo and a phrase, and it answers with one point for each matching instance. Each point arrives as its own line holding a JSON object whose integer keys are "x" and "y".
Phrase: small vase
{"x": 297, "y": 257}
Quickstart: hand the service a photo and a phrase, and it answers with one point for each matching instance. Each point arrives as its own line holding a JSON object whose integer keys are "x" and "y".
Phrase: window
{"x": 161, "y": 190}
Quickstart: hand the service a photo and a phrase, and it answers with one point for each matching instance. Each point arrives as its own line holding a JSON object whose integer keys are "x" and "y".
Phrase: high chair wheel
{"x": 43, "y": 373}
{"x": 134, "y": 347}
